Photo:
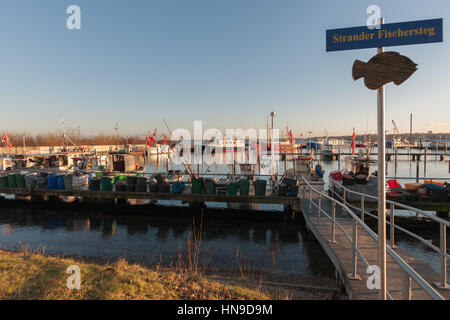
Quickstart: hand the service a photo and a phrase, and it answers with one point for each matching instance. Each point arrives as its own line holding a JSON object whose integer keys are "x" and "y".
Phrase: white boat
{"x": 328, "y": 152}
{"x": 234, "y": 144}
{"x": 337, "y": 142}
{"x": 6, "y": 163}
{"x": 159, "y": 149}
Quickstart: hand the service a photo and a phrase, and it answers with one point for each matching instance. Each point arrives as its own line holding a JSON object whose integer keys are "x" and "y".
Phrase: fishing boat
{"x": 337, "y": 142}
{"x": 247, "y": 169}
{"x": 55, "y": 161}
{"x": 440, "y": 145}
{"x": 226, "y": 144}
{"x": 304, "y": 167}
{"x": 158, "y": 149}
{"x": 361, "y": 145}
{"x": 328, "y": 153}
{"x": 94, "y": 163}
{"x": 356, "y": 176}
{"x": 123, "y": 161}
{"x": 285, "y": 146}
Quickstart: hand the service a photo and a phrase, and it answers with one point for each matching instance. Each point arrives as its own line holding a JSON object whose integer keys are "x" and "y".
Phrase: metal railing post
{"x": 362, "y": 208}
{"x": 354, "y": 275}
{"x": 333, "y": 223}
{"x": 344, "y": 196}
{"x": 443, "y": 284}
{"x": 392, "y": 226}
{"x": 319, "y": 207}
{"x": 406, "y": 291}
{"x": 310, "y": 197}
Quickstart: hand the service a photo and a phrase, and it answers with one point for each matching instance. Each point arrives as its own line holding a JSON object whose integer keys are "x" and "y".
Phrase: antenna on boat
{"x": 63, "y": 128}
{"x": 78, "y": 132}
{"x": 116, "y": 130}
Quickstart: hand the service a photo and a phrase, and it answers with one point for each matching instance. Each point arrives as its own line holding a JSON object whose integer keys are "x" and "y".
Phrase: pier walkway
{"x": 353, "y": 247}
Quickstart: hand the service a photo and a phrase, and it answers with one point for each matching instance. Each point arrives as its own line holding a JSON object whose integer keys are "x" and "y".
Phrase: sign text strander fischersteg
{"x": 393, "y": 34}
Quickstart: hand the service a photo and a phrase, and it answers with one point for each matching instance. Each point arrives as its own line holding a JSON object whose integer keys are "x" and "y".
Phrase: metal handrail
{"x": 415, "y": 236}
{"x": 401, "y": 205}
{"x": 347, "y": 236}
{"x": 443, "y": 224}
{"x": 410, "y": 272}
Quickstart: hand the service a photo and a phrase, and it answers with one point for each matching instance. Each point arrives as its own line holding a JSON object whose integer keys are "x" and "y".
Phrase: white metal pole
{"x": 381, "y": 188}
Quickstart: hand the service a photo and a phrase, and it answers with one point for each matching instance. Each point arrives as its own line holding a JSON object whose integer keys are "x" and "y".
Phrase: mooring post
{"x": 396, "y": 162}
{"x": 417, "y": 171}
{"x": 339, "y": 159}
{"x": 425, "y": 163}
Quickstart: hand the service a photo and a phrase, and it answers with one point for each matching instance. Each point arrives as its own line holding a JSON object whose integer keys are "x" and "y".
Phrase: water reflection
{"x": 108, "y": 228}
{"x": 275, "y": 248}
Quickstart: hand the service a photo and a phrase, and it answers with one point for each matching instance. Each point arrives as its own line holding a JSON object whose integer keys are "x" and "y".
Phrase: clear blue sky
{"x": 226, "y": 62}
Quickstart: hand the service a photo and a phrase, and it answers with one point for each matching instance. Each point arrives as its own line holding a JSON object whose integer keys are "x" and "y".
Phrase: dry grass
{"x": 27, "y": 275}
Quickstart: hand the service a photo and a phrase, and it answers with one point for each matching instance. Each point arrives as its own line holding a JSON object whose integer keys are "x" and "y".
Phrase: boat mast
{"x": 116, "y": 130}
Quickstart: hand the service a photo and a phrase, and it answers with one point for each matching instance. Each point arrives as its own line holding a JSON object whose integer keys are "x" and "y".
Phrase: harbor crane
{"x": 395, "y": 129}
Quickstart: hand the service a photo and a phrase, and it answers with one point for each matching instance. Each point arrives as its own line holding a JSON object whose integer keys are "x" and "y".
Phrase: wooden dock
{"x": 187, "y": 197}
{"x": 341, "y": 253}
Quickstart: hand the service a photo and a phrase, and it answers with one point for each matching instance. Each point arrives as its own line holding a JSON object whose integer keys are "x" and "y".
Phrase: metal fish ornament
{"x": 383, "y": 68}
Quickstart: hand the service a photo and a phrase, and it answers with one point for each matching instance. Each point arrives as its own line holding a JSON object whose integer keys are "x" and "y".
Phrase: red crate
{"x": 336, "y": 175}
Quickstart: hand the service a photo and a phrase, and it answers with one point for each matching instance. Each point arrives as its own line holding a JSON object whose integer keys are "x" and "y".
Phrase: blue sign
{"x": 391, "y": 34}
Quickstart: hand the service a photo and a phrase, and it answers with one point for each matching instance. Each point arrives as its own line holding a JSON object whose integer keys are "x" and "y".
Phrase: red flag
{"x": 150, "y": 140}
{"x": 6, "y": 140}
{"x": 165, "y": 139}
{"x": 353, "y": 141}
{"x": 291, "y": 139}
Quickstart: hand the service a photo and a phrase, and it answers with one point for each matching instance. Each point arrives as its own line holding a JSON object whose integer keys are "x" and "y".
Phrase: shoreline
{"x": 31, "y": 275}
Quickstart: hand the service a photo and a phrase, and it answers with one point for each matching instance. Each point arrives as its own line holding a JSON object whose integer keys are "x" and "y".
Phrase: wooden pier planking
{"x": 341, "y": 253}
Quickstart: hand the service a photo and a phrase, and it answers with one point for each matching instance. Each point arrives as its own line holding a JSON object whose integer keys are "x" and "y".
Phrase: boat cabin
{"x": 122, "y": 162}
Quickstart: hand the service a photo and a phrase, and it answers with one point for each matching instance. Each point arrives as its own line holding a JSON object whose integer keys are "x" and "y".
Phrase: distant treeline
{"x": 415, "y": 136}
{"x": 57, "y": 139}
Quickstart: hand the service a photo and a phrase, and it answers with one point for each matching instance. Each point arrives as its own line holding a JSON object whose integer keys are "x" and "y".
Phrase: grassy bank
{"x": 26, "y": 275}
